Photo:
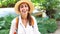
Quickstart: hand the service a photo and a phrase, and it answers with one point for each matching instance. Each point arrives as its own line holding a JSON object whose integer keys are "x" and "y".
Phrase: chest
{"x": 23, "y": 30}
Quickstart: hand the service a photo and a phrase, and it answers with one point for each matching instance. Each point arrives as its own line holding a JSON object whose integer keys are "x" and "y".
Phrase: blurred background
{"x": 46, "y": 12}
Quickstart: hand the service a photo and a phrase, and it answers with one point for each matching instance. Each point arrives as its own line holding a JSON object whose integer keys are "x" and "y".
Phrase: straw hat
{"x": 28, "y": 2}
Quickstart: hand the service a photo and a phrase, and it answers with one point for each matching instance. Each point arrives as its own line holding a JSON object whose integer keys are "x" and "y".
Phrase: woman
{"x": 25, "y": 23}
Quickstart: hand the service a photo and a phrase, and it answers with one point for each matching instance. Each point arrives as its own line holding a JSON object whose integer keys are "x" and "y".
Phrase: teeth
{"x": 24, "y": 11}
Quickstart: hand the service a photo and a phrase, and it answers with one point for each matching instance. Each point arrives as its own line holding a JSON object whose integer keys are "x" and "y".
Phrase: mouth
{"x": 23, "y": 11}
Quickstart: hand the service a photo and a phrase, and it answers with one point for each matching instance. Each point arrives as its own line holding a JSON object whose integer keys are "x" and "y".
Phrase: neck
{"x": 24, "y": 18}
{"x": 24, "y": 21}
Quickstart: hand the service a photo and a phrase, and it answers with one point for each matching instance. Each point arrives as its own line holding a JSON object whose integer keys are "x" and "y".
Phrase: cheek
{"x": 20, "y": 10}
{"x": 27, "y": 9}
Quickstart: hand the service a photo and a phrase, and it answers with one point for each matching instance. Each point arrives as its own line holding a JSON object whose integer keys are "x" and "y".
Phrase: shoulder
{"x": 14, "y": 20}
{"x": 35, "y": 21}
{"x": 33, "y": 18}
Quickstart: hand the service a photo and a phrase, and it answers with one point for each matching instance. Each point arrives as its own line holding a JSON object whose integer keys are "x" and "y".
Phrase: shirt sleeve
{"x": 12, "y": 28}
{"x": 36, "y": 31}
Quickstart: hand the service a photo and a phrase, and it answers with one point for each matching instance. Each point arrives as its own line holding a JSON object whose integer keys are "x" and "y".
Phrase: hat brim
{"x": 28, "y": 2}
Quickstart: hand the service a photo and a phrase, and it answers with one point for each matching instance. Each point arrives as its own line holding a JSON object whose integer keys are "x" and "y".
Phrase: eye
{"x": 26, "y": 6}
{"x": 21, "y": 6}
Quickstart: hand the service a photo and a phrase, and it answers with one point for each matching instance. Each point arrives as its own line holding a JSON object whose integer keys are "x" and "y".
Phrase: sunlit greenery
{"x": 49, "y": 5}
{"x": 5, "y": 23}
{"x": 7, "y": 3}
{"x": 46, "y": 25}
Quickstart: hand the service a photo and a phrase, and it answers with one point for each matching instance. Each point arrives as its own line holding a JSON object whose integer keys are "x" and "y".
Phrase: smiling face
{"x": 24, "y": 9}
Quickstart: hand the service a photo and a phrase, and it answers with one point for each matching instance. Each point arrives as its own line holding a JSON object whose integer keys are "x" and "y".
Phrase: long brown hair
{"x": 30, "y": 19}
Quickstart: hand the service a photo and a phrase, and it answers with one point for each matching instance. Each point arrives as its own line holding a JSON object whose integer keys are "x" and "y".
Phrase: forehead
{"x": 24, "y": 3}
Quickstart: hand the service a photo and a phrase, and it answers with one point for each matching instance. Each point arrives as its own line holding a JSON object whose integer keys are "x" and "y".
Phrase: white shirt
{"x": 21, "y": 28}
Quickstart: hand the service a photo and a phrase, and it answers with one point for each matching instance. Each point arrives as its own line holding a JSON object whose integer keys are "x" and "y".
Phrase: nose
{"x": 24, "y": 8}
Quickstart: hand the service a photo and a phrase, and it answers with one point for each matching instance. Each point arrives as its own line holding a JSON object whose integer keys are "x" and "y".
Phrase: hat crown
{"x": 25, "y": 0}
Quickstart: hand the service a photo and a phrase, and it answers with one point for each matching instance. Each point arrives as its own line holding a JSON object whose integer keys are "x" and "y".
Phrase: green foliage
{"x": 5, "y": 23}
{"x": 48, "y": 5}
{"x": 2, "y": 18}
{"x": 57, "y": 15}
{"x": 7, "y": 3}
{"x": 46, "y": 25}
{"x": 4, "y": 31}
{"x": 8, "y": 20}
{"x": 2, "y": 24}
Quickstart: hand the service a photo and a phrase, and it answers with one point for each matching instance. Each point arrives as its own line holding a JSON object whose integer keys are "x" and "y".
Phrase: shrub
{"x": 57, "y": 15}
{"x": 5, "y": 23}
{"x": 8, "y": 20}
{"x": 1, "y": 18}
{"x": 46, "y": 25}
{"x": 4, "y": 31}
{"x": 7, "y": 3}
{"x": 2, "y": 24}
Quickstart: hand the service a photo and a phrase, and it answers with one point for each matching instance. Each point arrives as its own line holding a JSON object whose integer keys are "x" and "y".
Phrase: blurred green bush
{"x": 57, "y": 15}
{"x": 46, "y": 25}
{"x": 5, "y": 23}
{"x": 7, "y": 3}
{"x": 4, "y": 31}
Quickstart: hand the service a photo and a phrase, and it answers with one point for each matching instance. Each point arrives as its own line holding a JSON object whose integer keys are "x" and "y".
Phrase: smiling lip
{"x": 24, "y": 11}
